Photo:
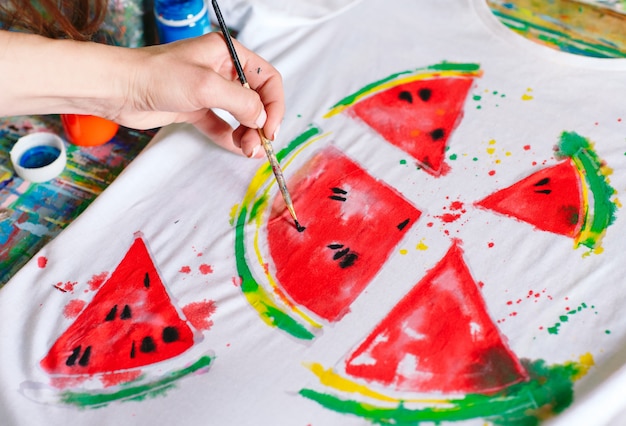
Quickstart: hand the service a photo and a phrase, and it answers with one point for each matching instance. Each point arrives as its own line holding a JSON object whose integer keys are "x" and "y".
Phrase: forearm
{"x": 44, "y": 76}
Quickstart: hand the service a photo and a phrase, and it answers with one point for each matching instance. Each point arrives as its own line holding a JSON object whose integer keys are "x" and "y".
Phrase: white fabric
{"x": 179, "y": 193}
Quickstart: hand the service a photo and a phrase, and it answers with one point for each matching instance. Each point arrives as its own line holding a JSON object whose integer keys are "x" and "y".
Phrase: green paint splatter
{"x": 453, "y": 157}
{"x": 402, "y": 162}
{"x": 132, "y": 391}
{"x": 565, "y": 318}
{"x": 580, "y": 151}
{"x": 607, "y": 331}
{"x": 475, "y": 159}
{"x": 548, "y": 391}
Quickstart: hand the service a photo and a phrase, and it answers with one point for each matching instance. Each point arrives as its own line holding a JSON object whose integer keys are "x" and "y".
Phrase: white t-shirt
{"x": 183, "y": 295}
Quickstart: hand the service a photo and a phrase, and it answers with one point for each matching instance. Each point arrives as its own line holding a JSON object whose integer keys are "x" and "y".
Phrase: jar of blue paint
{"x": 180, "y": 19}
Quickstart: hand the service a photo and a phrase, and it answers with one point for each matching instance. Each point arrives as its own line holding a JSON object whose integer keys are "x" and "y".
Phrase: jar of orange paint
{"x": 88, "y": 130}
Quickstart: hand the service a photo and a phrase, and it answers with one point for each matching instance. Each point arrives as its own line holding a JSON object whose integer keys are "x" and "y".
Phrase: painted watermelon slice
{"x": 353, "y": 221}
{"x": 438, "y": 338}
{"x": 571, "y": 198}
{"x": 416, "y": 111}
{"x": 550, "y": 199}
{"x": 129, "y": 323}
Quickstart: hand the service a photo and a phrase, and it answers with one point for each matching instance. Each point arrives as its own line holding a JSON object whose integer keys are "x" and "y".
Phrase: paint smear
{"x": 199, "y": 314}
{"x": 97, "y": 280}
{"x": 73, "y": 308}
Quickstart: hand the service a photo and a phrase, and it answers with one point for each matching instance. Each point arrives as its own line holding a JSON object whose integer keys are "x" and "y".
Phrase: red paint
{"x": 492, "y": 172}
{"x": 550, "y": 199}
{"x": 449, "y": 217}
{"x": 185, "y": 270}
{"x": 116, "y": 378}
{"x": 490, "y": 245}
{"x": 130, "y": 322}
{"x": 73, "y": 308}
{"x": 457, "y": 205}
{"x": 418, "y": 117}
{"x": 199, "y": 314}
{"x": 42, "y": 261}
{"x": 205, "y": 269}
{"x": 353, "y": 222}
{"x": 97, "y": 280}
{"x": 438, "y": 338}
{"x": 526, "y": 147}
{"x": 65, "y": 286}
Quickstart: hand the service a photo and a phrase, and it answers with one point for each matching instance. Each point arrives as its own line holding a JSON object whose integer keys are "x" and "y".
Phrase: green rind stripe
{"x": 579, "y": 149}
{"x": 132, "y": 392}
{"x": 549, "y": 390}
{"x": 461, "y": 68}
{"x": 257, "y": 296}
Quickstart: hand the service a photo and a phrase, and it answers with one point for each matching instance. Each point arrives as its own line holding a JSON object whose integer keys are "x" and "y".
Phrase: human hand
{"x": 183, "y": 81}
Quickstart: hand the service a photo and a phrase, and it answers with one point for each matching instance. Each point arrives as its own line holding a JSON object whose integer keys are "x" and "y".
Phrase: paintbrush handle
{"x": 280, "y": 179}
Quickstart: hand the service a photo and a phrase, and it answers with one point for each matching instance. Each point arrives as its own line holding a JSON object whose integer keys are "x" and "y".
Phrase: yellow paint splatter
{"x": 491, "y": 151}
{"x": 526, "y": 96}
{"x": 421, "y": 245}
{"x": 585, "y": 362}
{"x": 403, "y": 251}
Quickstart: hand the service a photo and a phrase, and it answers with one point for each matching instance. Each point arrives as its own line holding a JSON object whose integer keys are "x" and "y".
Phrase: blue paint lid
{"x": 39, "y": 157}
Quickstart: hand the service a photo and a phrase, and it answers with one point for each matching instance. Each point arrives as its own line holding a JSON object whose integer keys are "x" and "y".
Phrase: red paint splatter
{"x": 490, "y": 245}
{"x": 73, "y": 308}
{"x": 526, "y": 147}
{"x": 492, "y": 172}
{"x": 199, "y": 314}
{"x": 510, "y": 302}
{"x": 456, "y": 205}
{"x": 205, "y": 269}
{"x": 430, "y": 224}
{"x": 97, "y": 280}
{"x": 237, "y": 281}
{"x": 449, "y": 217}
{"x": 185, "y": 269}
{"x": 65, "y": 287}
{"x": 42, "y": 261}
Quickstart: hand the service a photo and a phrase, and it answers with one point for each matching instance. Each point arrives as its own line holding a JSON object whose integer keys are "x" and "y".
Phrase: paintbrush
{"x": 267, "y": 145}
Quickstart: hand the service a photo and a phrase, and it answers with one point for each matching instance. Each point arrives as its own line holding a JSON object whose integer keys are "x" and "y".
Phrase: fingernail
{"x": 260, "y": 121}
{"x": 255, "y": 151}
{"x": 275, "y": 135}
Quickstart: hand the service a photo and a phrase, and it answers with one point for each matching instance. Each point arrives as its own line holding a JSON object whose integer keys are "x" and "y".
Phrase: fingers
{"x": 242, "y": 140}
{"x": 267, "y": 82}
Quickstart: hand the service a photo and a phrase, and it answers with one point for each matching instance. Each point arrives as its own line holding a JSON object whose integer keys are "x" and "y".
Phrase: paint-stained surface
{"x": 35, "y": 213}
